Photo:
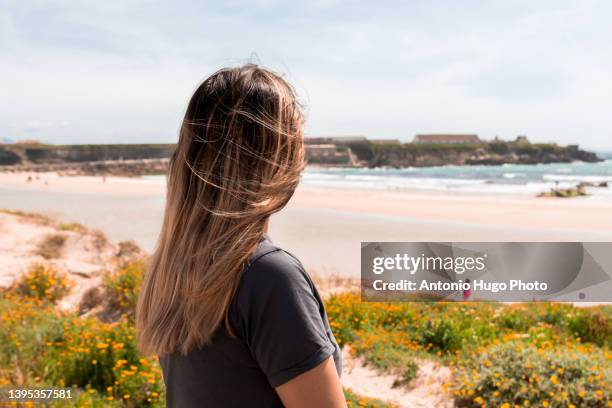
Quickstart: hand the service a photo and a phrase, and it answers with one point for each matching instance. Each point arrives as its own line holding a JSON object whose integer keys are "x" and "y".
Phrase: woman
{"x": 235, "y": 320}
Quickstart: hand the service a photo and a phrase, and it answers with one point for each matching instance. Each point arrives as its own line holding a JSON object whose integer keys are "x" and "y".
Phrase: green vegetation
{"x": 123, "y": 285}
{"x": 513, "y": 373}
{"x": 436, "y": 147}
{"x": 489, "y": 347}
{"x": 354, "y": 400}
{"x": 424, "y": 147}
{"x": 43, "y": 283}
{"x": 41, "y": 346}
{"x": 536, "y": 354}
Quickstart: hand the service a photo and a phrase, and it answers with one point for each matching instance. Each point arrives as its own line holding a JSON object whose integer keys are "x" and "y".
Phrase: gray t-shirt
{"x": 281, "y": 331}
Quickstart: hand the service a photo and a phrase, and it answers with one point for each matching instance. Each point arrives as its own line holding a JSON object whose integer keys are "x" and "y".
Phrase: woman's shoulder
{"x": 273, "y": 284}
{"x": 271, "y": 266}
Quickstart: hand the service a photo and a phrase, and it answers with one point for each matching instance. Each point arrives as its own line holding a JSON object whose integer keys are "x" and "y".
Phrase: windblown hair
{"x": 238, "y": 160}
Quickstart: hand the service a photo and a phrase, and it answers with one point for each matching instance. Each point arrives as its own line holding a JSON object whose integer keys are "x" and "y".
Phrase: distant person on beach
{"x": 467, "y": 292}
{"x": 236, "y": 320}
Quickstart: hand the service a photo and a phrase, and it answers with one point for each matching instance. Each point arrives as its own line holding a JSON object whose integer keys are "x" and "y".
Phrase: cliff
{"x": 494, "y": 153}
{"x": 26, "y": 154}
{"x": 127, "y": 159}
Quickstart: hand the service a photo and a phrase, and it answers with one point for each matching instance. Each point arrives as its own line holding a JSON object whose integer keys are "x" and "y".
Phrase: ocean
{"x": 513, "y": 179}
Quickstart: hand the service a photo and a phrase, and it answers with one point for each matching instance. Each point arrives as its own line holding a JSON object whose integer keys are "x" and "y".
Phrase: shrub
{"x": 355, "y": 401}
{"x": 103, "y": 356}
{"x": 345, "y": 316}
{"x": 389, "y": 336}
{"x": 591, "y": 326}
{"x": 51, "y": 246}
{"x": 39, "y": 345}
{"x": 517, "y": 374}
{"x": 441, "y": 334}
{"x": 25, "y": 326}
{"x": 553, "y": 313}
{"x": 123, "y": 286}
{"x": 514, "y": 318}
{"x": 43, "y": 282}
{"x": 388, "y": 352}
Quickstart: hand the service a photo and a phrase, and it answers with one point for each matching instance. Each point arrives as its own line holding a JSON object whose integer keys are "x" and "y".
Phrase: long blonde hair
{"x": 238, "y": 160}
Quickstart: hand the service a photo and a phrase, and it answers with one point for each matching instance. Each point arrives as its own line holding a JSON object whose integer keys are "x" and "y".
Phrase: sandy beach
{"x": 323, "y": 226}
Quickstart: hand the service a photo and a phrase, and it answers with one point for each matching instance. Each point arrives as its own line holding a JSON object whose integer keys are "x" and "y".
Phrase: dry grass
{"x": 333, "y": 283}
{"x": 72, "y": 226}
{"x": 35, "y": 218}
{"x": 99, "y": 239}
{"x": 51, "y": 246}
{"x": 128, "y": 249}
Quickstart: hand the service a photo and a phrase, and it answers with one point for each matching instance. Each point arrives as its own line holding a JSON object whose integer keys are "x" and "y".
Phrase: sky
{"x": 122, "y": 72}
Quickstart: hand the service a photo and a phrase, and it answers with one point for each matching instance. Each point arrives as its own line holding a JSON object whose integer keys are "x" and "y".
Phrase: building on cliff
{"x": 385, "y": 141}
{"x": 337, "y": 150}
{"x": 329, "y": 154}
{"x": 521, "y": 139}
{"x": 446, "y": 139}
{"x": 336, "y": 140}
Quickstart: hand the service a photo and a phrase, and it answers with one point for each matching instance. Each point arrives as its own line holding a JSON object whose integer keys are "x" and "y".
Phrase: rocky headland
{"x": 143, "y": 159}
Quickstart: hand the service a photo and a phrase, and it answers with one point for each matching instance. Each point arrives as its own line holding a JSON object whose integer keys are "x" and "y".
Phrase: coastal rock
{"x": 584, "y": 184}
{"x": 577, "y": 191}
{"x": 135, "y": 160}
